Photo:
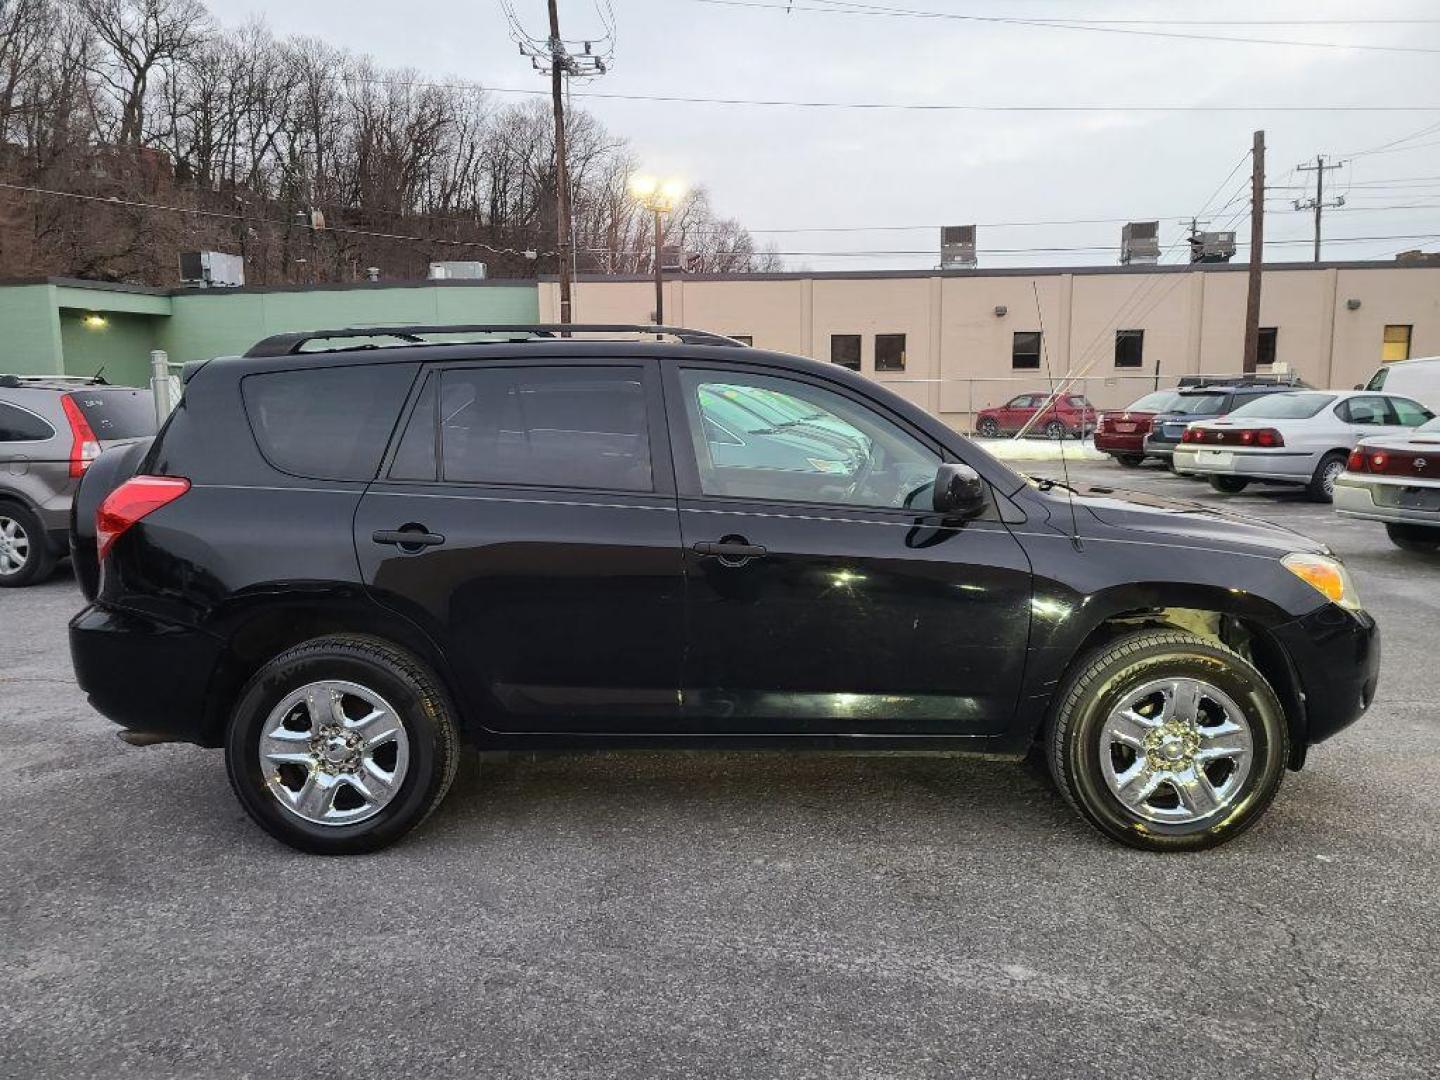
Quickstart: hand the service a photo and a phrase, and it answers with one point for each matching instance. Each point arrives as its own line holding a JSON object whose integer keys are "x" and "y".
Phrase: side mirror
{"x": 959, "y": 492}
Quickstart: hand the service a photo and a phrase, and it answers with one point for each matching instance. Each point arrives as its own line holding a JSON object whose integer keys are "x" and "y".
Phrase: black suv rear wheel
{"x": 341, "y": 745}
{"x": 1167, "y": 741}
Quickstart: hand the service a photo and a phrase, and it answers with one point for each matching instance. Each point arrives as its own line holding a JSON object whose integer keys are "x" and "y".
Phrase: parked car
{"x": 51, "y": 429}
{"x": 1396, "y": 479}
{"x": 1300, "y": 437}
{"x": 1122, "y": 434}
{"x": 1200, "y": 403}
{"x": 1418, "y": 379}
{"x": 338, "y": 564}
{"x": 1068, "y": 414}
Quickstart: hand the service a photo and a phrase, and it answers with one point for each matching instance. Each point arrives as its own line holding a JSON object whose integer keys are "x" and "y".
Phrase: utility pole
{"x": 558, "y": 65}
{"x": 1318, "y": 203}
{"x": 659, "y": 267}
{"x": 1257, "y": 253}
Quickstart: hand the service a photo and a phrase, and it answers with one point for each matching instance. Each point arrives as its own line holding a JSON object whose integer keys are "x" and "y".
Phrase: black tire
{"x": 1229, "y": 485}
{"x": 1130, "y": 461}
{"x": 988, "y": 426}
{"x": 1101, "y": 680}
{"x": 418, "y": 700}
{"x": 1321, "y": 487}
{"x": 1417, "y": 538}
{"x": 36, "y": 561}
{"x": 1055, "y": 429}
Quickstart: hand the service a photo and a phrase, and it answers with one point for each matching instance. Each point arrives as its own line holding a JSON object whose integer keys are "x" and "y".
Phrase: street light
{"x": 659, "y": 197}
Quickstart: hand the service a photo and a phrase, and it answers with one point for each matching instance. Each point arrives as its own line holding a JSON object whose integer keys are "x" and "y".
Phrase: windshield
{"x": 1159, "y": 401}
{"x": 1284, "y": 406}
{"x": 1197, "y": 404}
{"x": 117, "y": 414}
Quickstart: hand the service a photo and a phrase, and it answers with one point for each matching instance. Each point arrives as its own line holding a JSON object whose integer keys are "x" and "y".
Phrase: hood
{"x": 1163, "y": 520}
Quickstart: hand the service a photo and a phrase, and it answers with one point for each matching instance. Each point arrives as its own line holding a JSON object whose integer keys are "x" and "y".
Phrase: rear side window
{"x": 582, "y": 427}
{"x": 17, "y": 425}
{"x": 117, "y": 414}
{"x": 329, "y": 423}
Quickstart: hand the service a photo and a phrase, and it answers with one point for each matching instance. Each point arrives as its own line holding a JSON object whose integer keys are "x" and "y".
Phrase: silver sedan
{"x": 1396, "y": 479}
{"x": 1303, "y": 437}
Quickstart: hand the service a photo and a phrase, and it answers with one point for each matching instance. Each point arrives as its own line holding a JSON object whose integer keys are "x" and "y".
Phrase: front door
{"x": 526, "y": 520}
{"x": 824, "y": 597}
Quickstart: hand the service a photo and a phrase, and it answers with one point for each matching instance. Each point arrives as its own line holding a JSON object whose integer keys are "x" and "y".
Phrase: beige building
{"x": 958, "y": 340}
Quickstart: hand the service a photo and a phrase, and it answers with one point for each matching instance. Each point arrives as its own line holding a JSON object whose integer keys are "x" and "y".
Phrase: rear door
{"x": 526, "y": 518}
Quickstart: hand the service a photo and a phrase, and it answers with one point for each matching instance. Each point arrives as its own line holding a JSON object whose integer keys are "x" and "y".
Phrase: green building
{"x": 63, "y": 326}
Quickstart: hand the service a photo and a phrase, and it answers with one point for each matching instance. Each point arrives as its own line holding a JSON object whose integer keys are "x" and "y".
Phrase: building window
{"x": 1397, "y": 344}
{"x": 1265, "y": 355}
{"x": 889, "y": 352}
{"x": 845, "y": 350}
{"x": 743, "y": 339}
{"x": 1025, "y": 350}
{"x": 1129, "y": 347}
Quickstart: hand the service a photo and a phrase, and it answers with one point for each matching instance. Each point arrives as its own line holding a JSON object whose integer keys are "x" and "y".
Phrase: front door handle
{"x": 730, "y": 550}
{"x": 408, "y": 538}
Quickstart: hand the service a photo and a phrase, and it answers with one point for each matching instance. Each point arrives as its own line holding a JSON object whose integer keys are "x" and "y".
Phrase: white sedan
{"x": 1396, "y": 479}
{"x": 1303, "y": 437}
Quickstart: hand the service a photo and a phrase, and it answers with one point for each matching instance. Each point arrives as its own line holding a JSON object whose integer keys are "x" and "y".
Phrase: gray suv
{"x": 51, "y": 428}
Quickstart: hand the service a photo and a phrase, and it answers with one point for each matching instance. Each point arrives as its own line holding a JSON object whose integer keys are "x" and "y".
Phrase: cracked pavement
{"x": 723, "y": 914}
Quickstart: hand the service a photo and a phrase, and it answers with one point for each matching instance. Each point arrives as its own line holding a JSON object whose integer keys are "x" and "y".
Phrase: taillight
{"x": 1262, "y": 437}
{"x": 1192, "y": 435}
{"x": 84, "y": 446}
{"x": 130, "y": 502}
{"x": 1356, "y": 462}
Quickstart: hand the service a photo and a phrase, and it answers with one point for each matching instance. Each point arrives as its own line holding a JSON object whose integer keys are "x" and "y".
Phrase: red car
{"x": 1069, "y": 414}
{"x": 1122, "y": 434}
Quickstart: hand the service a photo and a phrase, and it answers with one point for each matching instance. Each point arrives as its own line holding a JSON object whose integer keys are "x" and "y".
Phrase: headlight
{"x": 1326, "y": 575}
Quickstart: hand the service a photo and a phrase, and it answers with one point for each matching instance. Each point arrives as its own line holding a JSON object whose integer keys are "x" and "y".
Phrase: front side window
{"x": 1025, "y": 350}
{"x": 1410, "y": 413}
{"x": 578, "y": 427}
{"x": 17, "y": 425}
{"x": 1396, "y": 345}
{"x": 1129, "y": 348}
{"x": 827, "y": 448}
{"x": 889, "y": 352}
{"x": 845, "y": 350}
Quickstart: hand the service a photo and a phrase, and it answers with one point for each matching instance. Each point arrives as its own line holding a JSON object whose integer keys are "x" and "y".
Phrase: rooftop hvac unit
{"x": 1140, "y": 243}
{"x": 673, "y": 259}
{"x": 957, "y": 247}
{"x": 211, "y": 270}
{"x": 457, "y": 271}
{"x": 1212, "y": 247}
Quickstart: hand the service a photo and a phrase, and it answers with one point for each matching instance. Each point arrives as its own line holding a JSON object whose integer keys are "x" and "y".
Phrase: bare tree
{"x": 139, "y": 36}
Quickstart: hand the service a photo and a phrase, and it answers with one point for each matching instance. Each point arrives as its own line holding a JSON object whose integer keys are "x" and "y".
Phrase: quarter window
{"x": 1396, "y": 345}
{"x": 1410, "y": 413}
{"x": 17, "y": 425}
{"x": 889, "y": 352}
{"x": 1129, "y": 348}
{"x": 1025, "y": 350}
{"x": 758, "y": 437}
{"x": 845, "y": 350}
{"x": 578, "y": 427}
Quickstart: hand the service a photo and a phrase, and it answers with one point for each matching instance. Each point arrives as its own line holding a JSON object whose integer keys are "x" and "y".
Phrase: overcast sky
{"x": 792, "y": 168}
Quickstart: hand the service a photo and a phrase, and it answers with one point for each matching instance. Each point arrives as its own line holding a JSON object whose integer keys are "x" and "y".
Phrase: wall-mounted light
{"x": 96, "y": 322}
{"x": 1001, "y": 311}
{"x": 1353, "y": 304}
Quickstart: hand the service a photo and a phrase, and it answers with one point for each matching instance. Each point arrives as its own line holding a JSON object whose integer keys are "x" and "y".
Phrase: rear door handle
{"x": 730, "y": 552}
{"x": 409, "y": 538}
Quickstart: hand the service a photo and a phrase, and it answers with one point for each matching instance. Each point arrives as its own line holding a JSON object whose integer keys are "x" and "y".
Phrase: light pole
{"x": 659, "y": 197}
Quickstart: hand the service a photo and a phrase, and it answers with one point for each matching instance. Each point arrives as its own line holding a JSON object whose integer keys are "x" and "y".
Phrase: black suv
{"x": 1201, "y": 400}
{"x": 338, "y": 561}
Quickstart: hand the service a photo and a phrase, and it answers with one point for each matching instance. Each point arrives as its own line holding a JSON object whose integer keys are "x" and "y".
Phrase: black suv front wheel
{"x": 341, "y": 745}
{"x": 1168, "y": 741}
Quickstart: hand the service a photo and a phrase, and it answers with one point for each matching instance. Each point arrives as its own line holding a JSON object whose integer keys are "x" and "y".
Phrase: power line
{"x": 1054, "y": 24}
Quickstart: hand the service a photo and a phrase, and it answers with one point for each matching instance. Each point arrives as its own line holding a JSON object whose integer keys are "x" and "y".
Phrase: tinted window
{"x": 1409, "y": 412}
{"x": 1159, "y": 401}
{"x": 117, "y": 414}
{"x": 549, "y": 427}
{"x": 1290, "y": 406}
{"x": 329, "y": 423}
{"x": 833, "y": 451}
{"x": 17, "y": 425}
{"x": 415, "y": 457}
{"x": 1199, "y": 404}
{"x": 1363, "y": 410}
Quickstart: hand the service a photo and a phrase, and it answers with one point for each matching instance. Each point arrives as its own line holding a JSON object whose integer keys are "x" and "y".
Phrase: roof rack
{"x": 14, "y": 382}
{"x": 1197, "y": 382}
{"x": 294, "y": 344}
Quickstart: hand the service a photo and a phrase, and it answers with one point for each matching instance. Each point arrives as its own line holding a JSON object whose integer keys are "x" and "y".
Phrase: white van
{"x": 1418, "y": 379}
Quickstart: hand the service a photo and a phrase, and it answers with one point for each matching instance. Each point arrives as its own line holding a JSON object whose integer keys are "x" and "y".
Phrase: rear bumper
{"x": 142, "y": 673}
{"x": 1159, "y": 447}
{"x": 1291, "y": 467}
{"x": 1336, "y": 654}
{"x": 1354, "y": 497}
{"x": 1116, "y": 443}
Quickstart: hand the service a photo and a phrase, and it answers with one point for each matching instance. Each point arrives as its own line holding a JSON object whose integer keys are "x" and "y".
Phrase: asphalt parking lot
{"x": 724, "y": 915}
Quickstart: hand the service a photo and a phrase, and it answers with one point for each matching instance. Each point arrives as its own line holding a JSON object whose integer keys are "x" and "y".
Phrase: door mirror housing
{"x": 959, "y": 491}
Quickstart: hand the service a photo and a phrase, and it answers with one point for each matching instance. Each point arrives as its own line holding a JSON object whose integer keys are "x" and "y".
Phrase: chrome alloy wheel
{"x": 14, "y": 546}
{"x": 1330, "y": 475}
{"x": 1176, "y": 751}
{"x": 333, "y": 753}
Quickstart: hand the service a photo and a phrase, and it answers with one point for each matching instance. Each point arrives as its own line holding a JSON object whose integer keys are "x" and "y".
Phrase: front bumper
{"x": 1336, "y": 656}
{"x": 1287, "y": 466}
{"x": 1355, "y": 498}
{"x": 142, "y": 673}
